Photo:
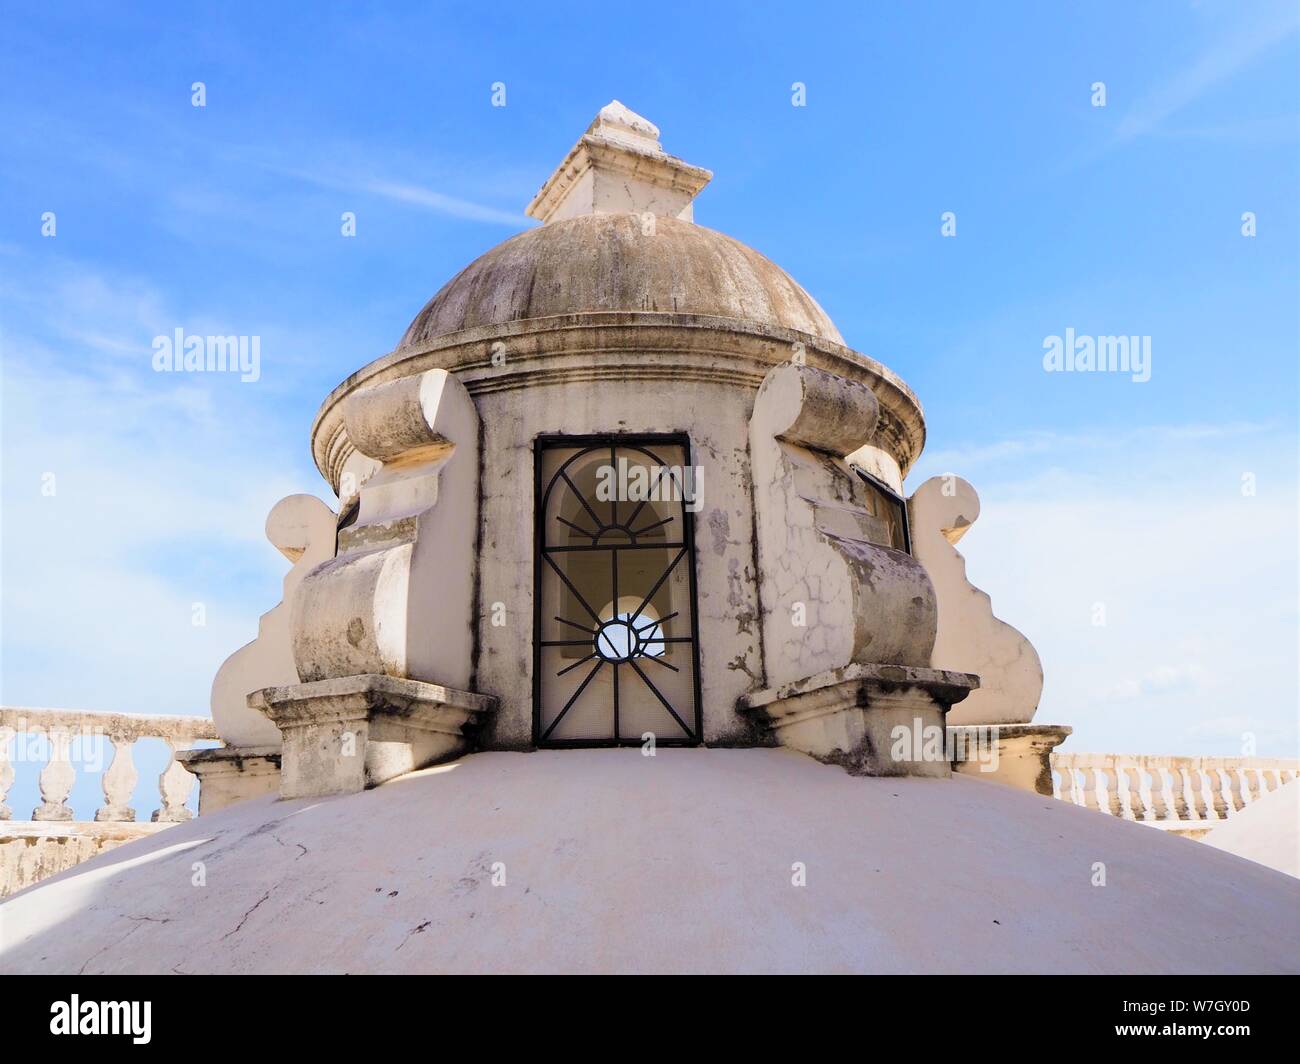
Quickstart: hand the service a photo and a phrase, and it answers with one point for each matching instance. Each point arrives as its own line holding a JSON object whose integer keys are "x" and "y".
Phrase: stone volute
{"x": 617, "y": 323}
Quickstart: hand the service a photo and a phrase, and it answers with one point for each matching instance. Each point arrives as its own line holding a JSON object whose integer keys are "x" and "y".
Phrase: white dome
{"x": 682, "y": 862}
{"x": 1266, "y": 831}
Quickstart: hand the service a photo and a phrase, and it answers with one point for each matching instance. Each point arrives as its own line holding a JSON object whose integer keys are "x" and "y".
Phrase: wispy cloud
{"x": 127, "y": 497}
{"x": 1160, "y": 596}
{"x": 405, "y": 193}
{"x": 1233, "y": 52}
{"x": 443, "y": 204}
{"x": 1279, "y": 130}
{"x": 1247, "y": 35}
{"x": 1108, "y": 439}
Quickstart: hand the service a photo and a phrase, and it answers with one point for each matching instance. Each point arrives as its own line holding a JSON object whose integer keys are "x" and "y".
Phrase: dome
{"x": 609, "y": 861}
{"x": 1266, "y": 831}
{"x": 598, "y": 263}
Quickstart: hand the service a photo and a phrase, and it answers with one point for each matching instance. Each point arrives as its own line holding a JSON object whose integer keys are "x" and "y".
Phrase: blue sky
{"x": 1123, "y": 219}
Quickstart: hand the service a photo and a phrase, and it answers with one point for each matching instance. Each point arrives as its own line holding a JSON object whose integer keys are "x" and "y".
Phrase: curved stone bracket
{"x": 830, "y": 594}
{"x": 300, "y": 527}
{"x": 969, "y": 636}
{"x": 397, "y": 599}
{"x": 848, "y": 621}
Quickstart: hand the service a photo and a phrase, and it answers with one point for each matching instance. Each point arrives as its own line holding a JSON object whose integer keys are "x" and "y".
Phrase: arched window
{"x": 615, "y": 652}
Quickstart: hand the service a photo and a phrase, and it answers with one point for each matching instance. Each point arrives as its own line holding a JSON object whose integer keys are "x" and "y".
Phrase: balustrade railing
{"x": 1177, "y": 793}
{"x": 79, "y": 738}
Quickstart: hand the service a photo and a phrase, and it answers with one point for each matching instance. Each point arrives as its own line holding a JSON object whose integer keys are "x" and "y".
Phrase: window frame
{"x": 581, "y": 441}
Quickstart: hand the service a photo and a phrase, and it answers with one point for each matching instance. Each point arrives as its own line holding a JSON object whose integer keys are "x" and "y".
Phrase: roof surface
{"x": 682, "y": 862}
{"x": 1266, "y": 831}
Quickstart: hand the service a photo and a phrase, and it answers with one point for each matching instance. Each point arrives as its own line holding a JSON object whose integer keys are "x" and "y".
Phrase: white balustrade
{"x": 1183, "y": 793}
{"x": 71, "y": 735}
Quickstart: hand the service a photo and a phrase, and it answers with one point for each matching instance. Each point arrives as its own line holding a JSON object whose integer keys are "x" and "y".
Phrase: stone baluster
{"x": 1160, "y": 793}
{"x": 7, "y": 735}
{"x": 118, "y": 781}
{"x": 1258, "y": 782}
{"x": 1088, "y": 787}
{"x": 1271, "y": 778}
{"x": 1180, "y": 780}
{"x": 57, "y": 778}
{"x": 1252, "y": 781}
{"x": 1233, "y": 774}
{"x": 1216, "y": 788}
{"x": 1133, "y": 772}
{"x": 1066, "y": 785}
{"x": 1111, "y": 776}
{"x": 174, "y": 786}
{"x": 1198, "y": 776}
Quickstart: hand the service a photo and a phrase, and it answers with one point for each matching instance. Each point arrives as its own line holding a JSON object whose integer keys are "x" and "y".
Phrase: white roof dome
{"x": 682, "y": 862}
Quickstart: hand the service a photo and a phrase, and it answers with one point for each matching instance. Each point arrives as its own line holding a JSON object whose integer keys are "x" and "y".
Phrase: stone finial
{"x": 618, "y": 167}
{"x": 616, "y": 122}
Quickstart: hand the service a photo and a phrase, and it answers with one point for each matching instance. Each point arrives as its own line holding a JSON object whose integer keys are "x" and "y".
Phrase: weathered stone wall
{"x": 622, "y": 373}
{"x": 55, "y": 838}
{"x": 32, "y": 851}
{"x": 715, "y": 416}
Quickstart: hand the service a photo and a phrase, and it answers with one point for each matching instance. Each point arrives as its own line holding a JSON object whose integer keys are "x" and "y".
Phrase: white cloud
{"x": 1197, "y": 581}
{"x": 161, "y": 487}
{"x": 1186, "y": 677}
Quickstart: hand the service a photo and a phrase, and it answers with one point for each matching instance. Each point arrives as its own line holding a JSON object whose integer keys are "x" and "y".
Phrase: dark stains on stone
{"x": 418, "y": 930}
{"x": 356, "y": 631}
{"x": 739, "y": 664}
{"x": 720, "y": 528}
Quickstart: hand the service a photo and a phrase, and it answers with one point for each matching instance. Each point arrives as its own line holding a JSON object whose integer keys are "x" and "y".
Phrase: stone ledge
{"x": 1021, "y": 753}
{"x": 32, "y": 850}
{"x": 231, "y": 774}
{"x": 345, "y": 734}
{"x": 563, "y": 348}
{"x": 120, "y": 830}
{"x": 850, "y": 716}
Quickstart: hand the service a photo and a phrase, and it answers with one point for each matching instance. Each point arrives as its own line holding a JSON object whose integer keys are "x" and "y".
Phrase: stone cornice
{"x": 647, "y": 346}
